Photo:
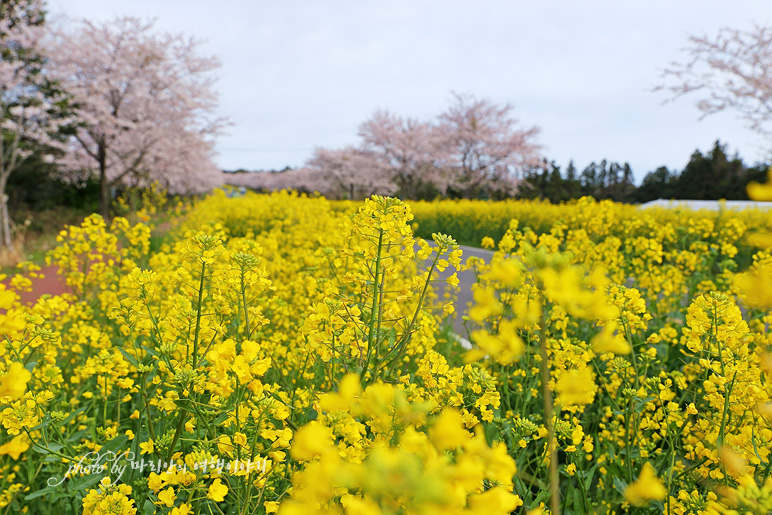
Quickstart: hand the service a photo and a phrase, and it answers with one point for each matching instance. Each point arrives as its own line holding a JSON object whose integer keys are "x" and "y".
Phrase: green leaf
{"x": 115, "y": 445}
{"x": 148, "y": 508}
{"x": 84, "y": 482}
{"x": 55, "y": 447}
{"x": 41, "y": 493}
{"x": 576, "y": 500}
{"x": 149, "y": 350}
{"x": 639, "y": 403}
{"x": 310, "y": 414}
{"x": 541, "y": 497}
{"x": 131, "y": 359}
{"x": 620, "y": 485}
{"x": 588, "y": 479}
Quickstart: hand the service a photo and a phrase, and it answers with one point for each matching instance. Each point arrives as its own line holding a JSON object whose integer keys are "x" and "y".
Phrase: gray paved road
{"x": 463, "y": 296}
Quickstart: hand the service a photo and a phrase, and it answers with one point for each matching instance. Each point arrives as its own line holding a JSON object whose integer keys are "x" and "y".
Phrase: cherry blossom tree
{"x": 474, "y": 145}
{"x": 146, "y": 100}
{"x": 410, "y": 149}
{"x": 731, "y": 71}
{"x": 303, "y": 180}
{"x": 31, "y": 107}
{"x": 192, "y": 171}
{"x": 351, "y": 173}
{"x": 487, "y": 149}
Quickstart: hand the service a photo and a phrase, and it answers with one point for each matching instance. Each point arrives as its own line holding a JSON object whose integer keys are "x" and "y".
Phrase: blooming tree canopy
{"x": 30, "y": 105}
{"x": 475, "y": 148}
{"x": 351, "y": 172}
{"x": 409, "y": 148}
{"x": 732, "y": 70}
{"x": 304, "y": 180}
{"x": 146, "y": 102}
{"x": 485, "y": 146}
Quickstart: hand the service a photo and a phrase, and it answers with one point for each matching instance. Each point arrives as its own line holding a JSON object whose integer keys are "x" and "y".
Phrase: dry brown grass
{"x": 35, "y": 234}
{"x": 13, "y": 256}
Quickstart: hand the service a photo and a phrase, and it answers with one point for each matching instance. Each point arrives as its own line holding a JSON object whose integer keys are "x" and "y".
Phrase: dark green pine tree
{"x": 659, "y": 184}
{"x": 712, "y": 176}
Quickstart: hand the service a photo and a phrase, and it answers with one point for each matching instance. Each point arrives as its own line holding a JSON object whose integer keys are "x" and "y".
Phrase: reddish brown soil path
{"x": 51, "y": 284}
{"x": 54, "y": 284}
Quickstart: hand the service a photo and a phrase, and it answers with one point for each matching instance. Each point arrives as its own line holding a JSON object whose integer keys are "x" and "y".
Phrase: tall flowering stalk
{"x": 367, "y": 325}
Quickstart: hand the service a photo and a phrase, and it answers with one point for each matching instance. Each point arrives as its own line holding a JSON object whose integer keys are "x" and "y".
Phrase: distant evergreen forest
{"x": 710, "y": 176}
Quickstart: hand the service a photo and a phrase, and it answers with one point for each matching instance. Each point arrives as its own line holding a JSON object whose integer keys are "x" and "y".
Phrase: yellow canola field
{"x": 283, "y": 353}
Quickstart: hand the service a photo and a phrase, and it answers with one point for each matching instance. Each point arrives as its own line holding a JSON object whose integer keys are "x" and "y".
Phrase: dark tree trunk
{"x": 104, "y": 184}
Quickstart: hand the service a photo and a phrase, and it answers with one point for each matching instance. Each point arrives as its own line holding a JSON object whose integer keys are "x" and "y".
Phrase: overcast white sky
{"x": 303, "y": 73}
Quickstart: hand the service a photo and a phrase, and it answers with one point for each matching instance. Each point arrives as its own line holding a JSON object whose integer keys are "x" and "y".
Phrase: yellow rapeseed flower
{"x": 311, "y": 441}
{"x": 167, "y": 497}
{"x": 182, "y": 509}
{"x": 147, "y": 447}
{"x": 16, "y": 447}
{"x": 495, "y": 501}
{"x": 217, "y": 491}
{"x": 576, "y": 387}
{"x": 14, "y": 383}
{"x": 761, "y": 192}
{"x": 648, "y": 487}
{"x": 448, "y": 431}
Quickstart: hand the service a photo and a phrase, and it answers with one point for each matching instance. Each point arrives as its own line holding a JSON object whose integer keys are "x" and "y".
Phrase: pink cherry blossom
{"x": 146, "y": 100}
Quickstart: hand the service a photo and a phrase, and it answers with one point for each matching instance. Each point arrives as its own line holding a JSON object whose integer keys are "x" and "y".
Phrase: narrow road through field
{"x": 53, "y": 284}
{"x": 463, "y": 296}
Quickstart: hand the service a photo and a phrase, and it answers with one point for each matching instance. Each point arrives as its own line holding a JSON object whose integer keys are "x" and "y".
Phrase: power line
{"x": 265, "y": 150}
